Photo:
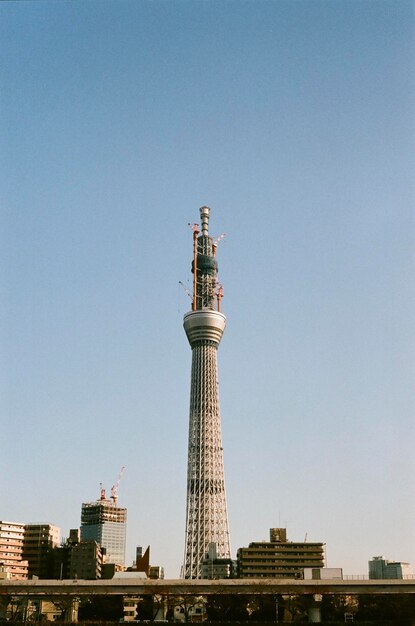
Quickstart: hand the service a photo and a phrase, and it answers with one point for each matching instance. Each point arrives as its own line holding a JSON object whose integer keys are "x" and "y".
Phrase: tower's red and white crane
{"x": 196, "y": 230}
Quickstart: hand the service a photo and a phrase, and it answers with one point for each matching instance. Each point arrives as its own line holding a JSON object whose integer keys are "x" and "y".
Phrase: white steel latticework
{"x": 206, "y": 513}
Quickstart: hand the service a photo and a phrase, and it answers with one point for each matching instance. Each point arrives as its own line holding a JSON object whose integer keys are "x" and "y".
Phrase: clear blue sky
{"x": 294, "y": 121}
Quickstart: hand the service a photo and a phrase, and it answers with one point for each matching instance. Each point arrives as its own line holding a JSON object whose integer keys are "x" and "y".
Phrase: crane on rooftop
{"x": 114, "y": 488}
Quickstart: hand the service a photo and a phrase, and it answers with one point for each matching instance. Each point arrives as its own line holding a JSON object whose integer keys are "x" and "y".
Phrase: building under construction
{"x": 106, "y": 523}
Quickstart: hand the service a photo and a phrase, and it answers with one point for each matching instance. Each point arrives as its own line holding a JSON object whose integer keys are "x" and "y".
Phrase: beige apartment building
{"x": 85, "y": 560}
{"x": 12, "y": 563}
{"x": 39, "y": 541}
{"x": 278, "y": 558}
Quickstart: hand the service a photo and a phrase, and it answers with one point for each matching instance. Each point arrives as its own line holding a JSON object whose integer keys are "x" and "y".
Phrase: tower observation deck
{"x": 206, "y": 512}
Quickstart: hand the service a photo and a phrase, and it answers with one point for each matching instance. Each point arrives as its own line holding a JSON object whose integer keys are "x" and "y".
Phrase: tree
{"x": 261, "y": 608}
{"x": 333, "y": 607}
{"x": 101, "y": 608}
{"x": 145, "y": 608}
{"x": 227, "y": 607}
{"x": 387, "y": 609}
{"x": 149, "y": 606}
{"x": 185, "y": 602}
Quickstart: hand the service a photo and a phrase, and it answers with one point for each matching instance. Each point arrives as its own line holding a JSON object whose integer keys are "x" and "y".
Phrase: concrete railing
{"x": 366, "y": 577}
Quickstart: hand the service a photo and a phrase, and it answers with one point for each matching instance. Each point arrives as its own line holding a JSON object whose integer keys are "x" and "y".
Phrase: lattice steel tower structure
{"x": 206, "y": 513}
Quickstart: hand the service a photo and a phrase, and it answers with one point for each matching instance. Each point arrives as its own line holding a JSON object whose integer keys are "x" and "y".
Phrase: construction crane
{"x": 194, "y": 227}
{"x": 186, "y": 289}
{"x": 196, "y": 230}
{"x": 215, "y": 243}
{"x": 219, "y": 294}
{"x": 114, "y": 488}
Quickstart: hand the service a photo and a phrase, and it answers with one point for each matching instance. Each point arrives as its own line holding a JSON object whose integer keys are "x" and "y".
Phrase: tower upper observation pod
{"x": 207, "y": 292}
{"x": 206, "y": 511}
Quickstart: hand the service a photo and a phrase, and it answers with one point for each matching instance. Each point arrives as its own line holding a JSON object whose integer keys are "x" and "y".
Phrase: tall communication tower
{"x": 206, "y": 514}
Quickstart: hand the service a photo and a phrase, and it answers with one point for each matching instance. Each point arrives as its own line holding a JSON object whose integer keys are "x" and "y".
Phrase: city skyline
{"x": 292, "y": 121}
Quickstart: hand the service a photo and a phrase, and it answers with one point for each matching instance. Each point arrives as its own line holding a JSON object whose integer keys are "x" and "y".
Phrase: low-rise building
{"x": 214, "y": 568}
{"x": 156, "y": 572}
{"x": 78, "y": 559}
{"x": 130, "y": 603}
{"x": 379, "y": 569}
{"x": 323, "y": 573}
{"x": 279, "y": 558}
{"x": 85, "y": 560}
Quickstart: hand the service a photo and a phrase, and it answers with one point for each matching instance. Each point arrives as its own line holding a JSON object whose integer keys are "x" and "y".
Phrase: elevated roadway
{"x": 138, "y": 587}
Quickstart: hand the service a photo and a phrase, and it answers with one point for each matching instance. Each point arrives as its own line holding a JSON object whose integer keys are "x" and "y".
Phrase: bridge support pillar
{"x": 72, "y": 612}
{"x": 314, "y": 615}
{"x": 314, "y": 610}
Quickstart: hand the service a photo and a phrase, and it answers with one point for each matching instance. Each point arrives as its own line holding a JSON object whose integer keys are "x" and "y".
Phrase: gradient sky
{"x": 294, "y": 121}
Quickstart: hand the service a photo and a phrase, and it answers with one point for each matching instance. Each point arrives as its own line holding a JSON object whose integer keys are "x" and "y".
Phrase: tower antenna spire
{"x": 204, "y": 218}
